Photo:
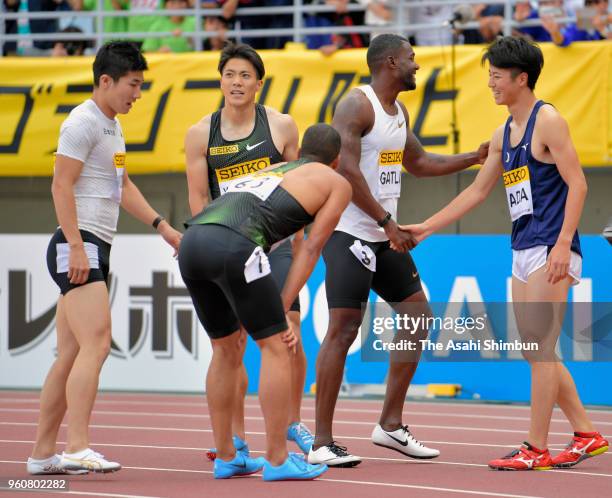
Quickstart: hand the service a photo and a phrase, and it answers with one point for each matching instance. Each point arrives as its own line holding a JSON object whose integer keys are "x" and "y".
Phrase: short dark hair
{"x": 381, "y": 47}
{"x": 242, "y": 51}
{"x": 321, "y": 143}
{"x": 517, "y": 53}
{"x": 117, "y": 58}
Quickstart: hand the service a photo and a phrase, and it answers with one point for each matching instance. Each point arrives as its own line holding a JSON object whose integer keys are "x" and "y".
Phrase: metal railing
{"x": 297, "y": 32}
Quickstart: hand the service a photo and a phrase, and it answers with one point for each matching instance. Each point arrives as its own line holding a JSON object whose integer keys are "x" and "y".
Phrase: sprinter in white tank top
{"x": 367, "y": 250}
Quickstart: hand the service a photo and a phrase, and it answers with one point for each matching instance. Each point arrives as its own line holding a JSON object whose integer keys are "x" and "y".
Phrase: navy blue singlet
{"x": 535, "y": 191}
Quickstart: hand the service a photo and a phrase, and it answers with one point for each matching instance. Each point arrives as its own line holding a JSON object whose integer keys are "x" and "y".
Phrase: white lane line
{"x": 447, "y": 443}
{"x": 341, "y": 481}
{"x": 199, "y": 398}
{"x": 378, "y": 459}
{"x": 205, "y": 415}
{"x": 410, "y": 409}
{"x": 183, "y": 429}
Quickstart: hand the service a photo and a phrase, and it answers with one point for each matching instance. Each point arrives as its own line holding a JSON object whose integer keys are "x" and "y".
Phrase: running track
{"x": 160, "y": 440}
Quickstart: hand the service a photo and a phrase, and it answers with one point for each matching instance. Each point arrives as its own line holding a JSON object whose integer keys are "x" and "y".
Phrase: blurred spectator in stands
{"x": 602, "y": 20}
{"x": 10, "y": 26}
{"x": 178, "y": 25}
{"x": 317, "y": 20}
{"x": 69, "y": 48}
{"x": 220, "y": 25}
{"x": 246, "y": 22}
{"x": 109, "y": 24}
{"x": 387, "y": 15}
{"x": 380, "y": 14}
{"x": 279, "y": 21}
{"x": 550, "y": 12}
{"x": 142, "y": 22}
{"x": 328, "y": 44}
{"x": 490, "y": 18}
{"x": 524, "y": 11}
{"x": 422, "y": 13}
{"x": 46, "y": 25}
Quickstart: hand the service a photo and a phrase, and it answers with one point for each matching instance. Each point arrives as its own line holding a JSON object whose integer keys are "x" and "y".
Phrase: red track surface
{"x": 161, "y": 440}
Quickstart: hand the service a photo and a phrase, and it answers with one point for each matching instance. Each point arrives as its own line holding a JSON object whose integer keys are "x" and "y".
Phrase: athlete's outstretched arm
{"x": 421, "y": 163}
{"x": 353, "y": 118}
{"x": 196, "y": 145}
{"x": 135, "y": 203}
{"x": 323, "y": 226}
{"x": 555, "y": 135}
{"x": 471, "y": 197}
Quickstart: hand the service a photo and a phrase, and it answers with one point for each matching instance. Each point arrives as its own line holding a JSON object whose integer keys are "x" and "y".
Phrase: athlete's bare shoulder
{"x": 548, "y": 115}
{"x": 326, "y": 175}
{"x": 203, "y": 124}
{"x": 356, "y": 100}
{"x": 197, "y": 134}
{"x": 284, "y": 133}
{"x": 276, "y": 117}
{"x": 497, "y": 138}
{"x": 354, "y": 111}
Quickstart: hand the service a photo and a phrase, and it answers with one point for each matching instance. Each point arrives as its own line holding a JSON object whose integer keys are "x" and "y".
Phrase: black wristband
{"x": 157, "y": 221}
{"x": 385, "y": 220}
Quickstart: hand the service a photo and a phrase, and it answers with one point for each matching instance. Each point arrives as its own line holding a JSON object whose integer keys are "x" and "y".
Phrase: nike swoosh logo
{"x": 399, "y": 125}
{"x": 403, "y": 443}
{"x": 251, "y": 147}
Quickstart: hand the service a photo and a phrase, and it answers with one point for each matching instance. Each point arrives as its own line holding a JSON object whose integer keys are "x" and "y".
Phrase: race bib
{"x": 364, "y": 254}
{"x": 518, "y": 192}
{"x": 230, "y": 174}
{"x": 257, "y": 266}
{"x": 260, "y": 186}
{"x": 390, "y": 173}
{"x": 119, "y": 163}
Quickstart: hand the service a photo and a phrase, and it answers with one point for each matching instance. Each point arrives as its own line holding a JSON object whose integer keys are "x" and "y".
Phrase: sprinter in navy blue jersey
{"x": 545, "y": 190}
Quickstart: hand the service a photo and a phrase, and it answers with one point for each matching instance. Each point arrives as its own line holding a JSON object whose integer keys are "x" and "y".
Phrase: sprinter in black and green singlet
{"x": 229, "y": 160}
{"x": 224, "y": 265}
{"x": 240, "y": 139}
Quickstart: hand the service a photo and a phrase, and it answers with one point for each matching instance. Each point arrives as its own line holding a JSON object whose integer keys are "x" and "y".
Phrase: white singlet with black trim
{"x": 89, "y": 136}
{"x": 382, "y": 150}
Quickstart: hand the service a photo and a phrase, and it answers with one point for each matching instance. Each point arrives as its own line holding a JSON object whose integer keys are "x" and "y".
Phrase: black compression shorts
{"x": 58, "y": 252}
{"x": 348, "y": 279}
{"x": 280, "y": 261}
{"x": 213, "y": 262}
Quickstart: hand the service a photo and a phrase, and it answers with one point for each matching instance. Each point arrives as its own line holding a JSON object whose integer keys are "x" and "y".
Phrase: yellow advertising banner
{"x": 37, "y": 94}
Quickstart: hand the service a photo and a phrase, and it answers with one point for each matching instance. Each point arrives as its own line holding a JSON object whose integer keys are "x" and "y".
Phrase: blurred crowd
{"x": 592, "y": 22}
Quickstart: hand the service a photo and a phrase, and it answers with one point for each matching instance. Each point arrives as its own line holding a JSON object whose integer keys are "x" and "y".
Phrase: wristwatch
{"x": 385, "y": 220}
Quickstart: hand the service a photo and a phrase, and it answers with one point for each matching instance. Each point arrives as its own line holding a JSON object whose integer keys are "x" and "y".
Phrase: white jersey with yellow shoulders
{"x": 89, "y": 136}
{"x": 382, "y": 151}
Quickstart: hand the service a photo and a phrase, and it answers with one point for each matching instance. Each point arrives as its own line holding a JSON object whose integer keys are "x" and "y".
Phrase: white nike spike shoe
{"x": 403, "y": 441}
{"x": 88, "y": 460}
{"x": 333, "y": 455}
